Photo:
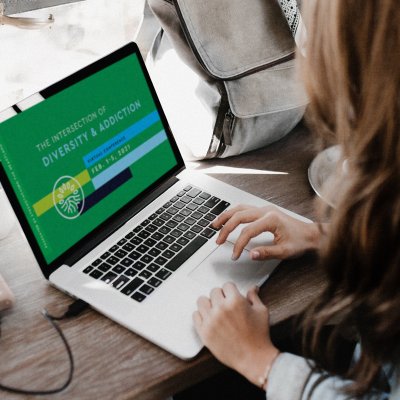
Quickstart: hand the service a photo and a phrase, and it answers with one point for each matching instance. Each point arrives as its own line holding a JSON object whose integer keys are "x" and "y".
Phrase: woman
{"x": 352, "y": 76}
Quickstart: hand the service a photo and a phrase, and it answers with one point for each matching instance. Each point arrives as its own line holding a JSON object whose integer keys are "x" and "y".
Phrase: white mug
{"x": 7, "y": 217}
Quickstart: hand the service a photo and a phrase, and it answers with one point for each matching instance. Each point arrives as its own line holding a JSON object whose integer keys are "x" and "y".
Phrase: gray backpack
{"x": 224, "y": 71}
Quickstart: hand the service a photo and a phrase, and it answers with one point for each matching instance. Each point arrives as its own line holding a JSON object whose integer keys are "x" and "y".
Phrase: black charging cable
{"x": 73, "y": 310}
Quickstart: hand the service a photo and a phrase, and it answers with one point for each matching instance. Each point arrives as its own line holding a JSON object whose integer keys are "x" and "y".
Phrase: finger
{"x": 217, "y": 297}
{"x": 268, "y": 252}
{"x": 203, "y": 306}
{"x": 265, "y": 224}
{"x": 223, "y": 217}
{"x": 197, "y": 321}
{"x": 230, "y": 290}
{"x": 240, "y": 217}
{"x": 253, "y": 297}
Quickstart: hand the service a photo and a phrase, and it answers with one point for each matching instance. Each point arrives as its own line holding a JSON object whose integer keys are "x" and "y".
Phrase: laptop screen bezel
{"x": 100, "y": 232}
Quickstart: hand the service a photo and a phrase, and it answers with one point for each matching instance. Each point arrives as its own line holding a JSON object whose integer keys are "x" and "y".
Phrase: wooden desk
{"x": 112, "y": 362}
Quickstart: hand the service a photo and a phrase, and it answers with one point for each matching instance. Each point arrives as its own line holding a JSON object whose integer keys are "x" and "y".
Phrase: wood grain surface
{"x": 114, "y": 363}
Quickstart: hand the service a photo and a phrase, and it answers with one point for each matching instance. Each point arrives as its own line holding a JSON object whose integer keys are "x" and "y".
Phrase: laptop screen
{"x": 82, "y": 153}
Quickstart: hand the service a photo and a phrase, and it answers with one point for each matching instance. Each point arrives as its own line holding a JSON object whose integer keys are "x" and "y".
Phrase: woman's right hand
{"x": 292, "y": 237}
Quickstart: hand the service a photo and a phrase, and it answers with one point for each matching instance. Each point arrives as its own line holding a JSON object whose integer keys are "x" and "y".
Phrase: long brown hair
{"x": 352, "y": 76}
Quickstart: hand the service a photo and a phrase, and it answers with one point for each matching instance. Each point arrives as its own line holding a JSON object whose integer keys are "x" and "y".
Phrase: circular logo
{"x": 68, "y": 197}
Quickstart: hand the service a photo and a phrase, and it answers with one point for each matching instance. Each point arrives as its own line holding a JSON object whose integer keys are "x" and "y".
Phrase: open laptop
{"x": 99, "y": 187}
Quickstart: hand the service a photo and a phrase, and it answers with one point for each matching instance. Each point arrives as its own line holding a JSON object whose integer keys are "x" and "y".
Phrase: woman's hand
{"x": 236, "y": 330}
{"x": 292, "y": 237}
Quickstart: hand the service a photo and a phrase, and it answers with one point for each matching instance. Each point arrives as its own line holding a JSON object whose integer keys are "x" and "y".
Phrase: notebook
{"x": 112, "y": 215}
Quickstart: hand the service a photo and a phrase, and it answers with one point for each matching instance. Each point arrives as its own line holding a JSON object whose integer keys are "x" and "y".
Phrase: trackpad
{"x": 219, "y": 268}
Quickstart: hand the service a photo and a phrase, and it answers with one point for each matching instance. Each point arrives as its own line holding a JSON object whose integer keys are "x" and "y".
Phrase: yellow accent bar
{"x": 46, "y": 203}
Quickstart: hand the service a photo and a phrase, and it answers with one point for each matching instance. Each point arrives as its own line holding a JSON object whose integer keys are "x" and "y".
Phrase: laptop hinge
{"x": 121, "y": 220}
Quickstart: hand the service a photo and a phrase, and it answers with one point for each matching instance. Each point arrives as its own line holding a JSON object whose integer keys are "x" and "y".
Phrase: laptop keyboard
{"x": 148, "y": 255}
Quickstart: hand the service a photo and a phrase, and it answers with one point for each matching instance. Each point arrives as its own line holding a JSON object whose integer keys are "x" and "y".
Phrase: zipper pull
{"x": 227, "y": 128}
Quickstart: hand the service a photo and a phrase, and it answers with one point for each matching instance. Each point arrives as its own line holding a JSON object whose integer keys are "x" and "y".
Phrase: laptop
{"x": 112, "y": 215}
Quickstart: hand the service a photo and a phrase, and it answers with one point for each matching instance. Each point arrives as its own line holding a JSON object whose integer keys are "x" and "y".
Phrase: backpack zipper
{"x": 271, "y": 64}
{"x": 227, "y": 127}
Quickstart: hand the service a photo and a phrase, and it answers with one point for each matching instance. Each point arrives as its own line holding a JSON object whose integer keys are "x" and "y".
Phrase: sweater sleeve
{"x": 291, "y": 378}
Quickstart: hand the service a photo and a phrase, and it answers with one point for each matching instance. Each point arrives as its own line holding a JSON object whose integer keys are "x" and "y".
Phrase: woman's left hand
{"x": 236, "y": 330}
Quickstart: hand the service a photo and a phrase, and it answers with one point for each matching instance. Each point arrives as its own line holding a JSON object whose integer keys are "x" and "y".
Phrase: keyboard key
{"x": 97, "y": 262}
{"x": 210, "y": 217}
{"x": 196, "y": 228}
{"x": 160, "y": 260}
{"x": 142, "y": 248}
{"x": 134, "y": 255}
{"x": 139, "y": 297}
{"x": 189, "y": 234}
{"x": 144, "y": 234}
{"x": 154, "y": 282}
{"x": 197, "y": 215}
{"x": 186, "y": 199}
{"x": 203, "y": 222}
{"x": 208, "y": 233}
{"x": 128, "y": 247}
{"x": 153, "y": 267}
{"x": 145, "y": 274}
{"x": 176, "y": 233}
{"x": 179, "y": 204}
{"x": 164, "y": 230}
{"x": 161, "y": 246}
{"x": 166, "y": 216}
{"x": 185, "y": 212}
{"x": 171, "y": 224}
{"x": 153, "y": 216}
{"x": 190, "y": 221}
{"x": 137, "y": 229}
{"x": 192, "y": 206}
{"x": 145, "y": 222}
{"x": 121, "y": 242}
{"x": 150, "y": 242}
{"x": 120, "y": 281}
{"x": 183, "y": 227}
{"x": 205, "y": 195}
{"x": 120, "y": 253}
{"x": 114, "y": 248}
{"x": 138, "y": 265}
{"x": 167, "y": 204}
{"x": 175, "y": 247}
{"x": 178, "y": 218}
{"x": 182, "y": 256}
{"x": 199, "y": 201}
{"x": 126, "y": 262}
{"x": 183, "y": 241}
{"x": 187, "y": 188}
{"x": 172, "y": 210}
{"x": 136, "y": 240}
{"x": 104, "y": 267}
{"x": 146, "y": 289}
{"x": 158, "y": 222}
{"x": 130, "y": 272}
{"x": 105, "y": 255}
{"x": 154, "y": 252}
{"x": 169, "y": 239}
{"x": 109, "y": 277}
{"x": 181, "y": 193}
{"x": 212, "y": 202}
{"x": 160, "y": 210}
{"x": 96, "y": 274}
{"x": 112, "y": 260}
{"x": 151, "y": 228}
{"x": 168, "y": 254}
{"x": 88, "y": 269}
{"x": 193, "y": 193}
{"x": 220, "y": 207}
{"x": 147, "y": 259}
{"x": 129, "y": 235}
{"x": 157, "y": 236}
{"x": 175, "y": 198}
{"x": 163, "y": 274}
{"x": 119, "y": 269}
{"x": 132, "y": 286}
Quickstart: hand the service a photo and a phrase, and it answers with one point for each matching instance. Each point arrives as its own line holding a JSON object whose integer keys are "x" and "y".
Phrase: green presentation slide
{"x": 77, "y": 157}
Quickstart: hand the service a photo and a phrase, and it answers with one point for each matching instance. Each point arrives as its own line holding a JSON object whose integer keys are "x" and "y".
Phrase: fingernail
{"x": 255, "y": 255}
{"x": 234, "y": 257}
